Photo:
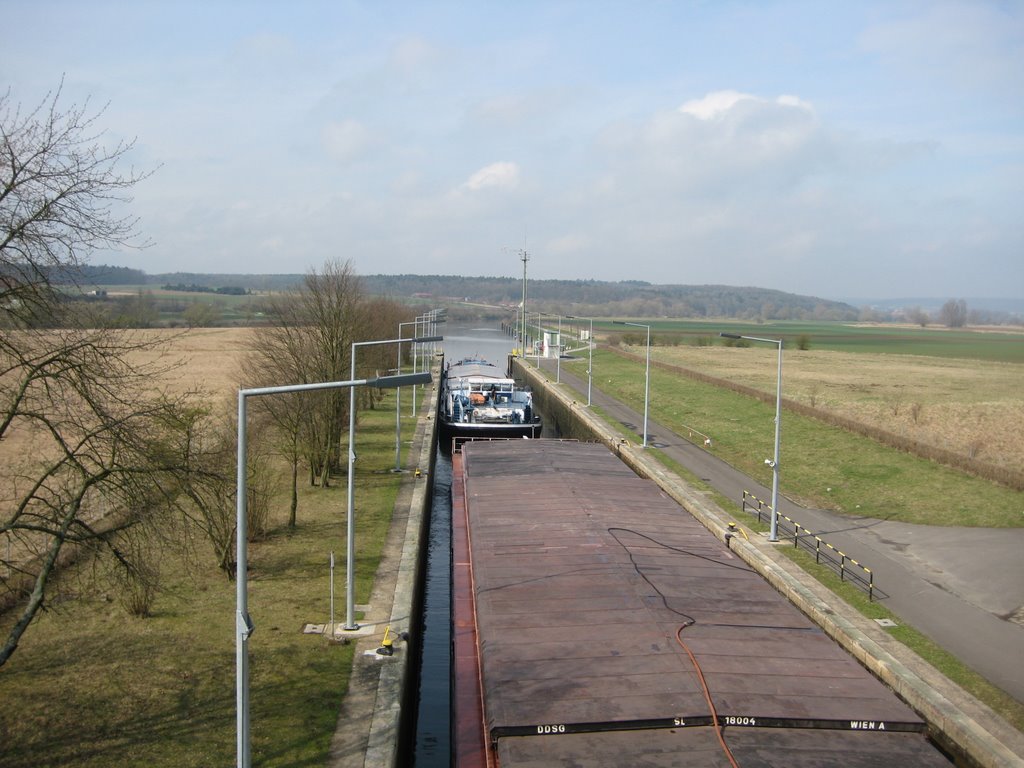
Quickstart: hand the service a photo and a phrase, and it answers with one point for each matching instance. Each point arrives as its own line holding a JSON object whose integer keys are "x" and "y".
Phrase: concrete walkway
{"x": 963, "y": 587}
{"x": 380, "y": 691}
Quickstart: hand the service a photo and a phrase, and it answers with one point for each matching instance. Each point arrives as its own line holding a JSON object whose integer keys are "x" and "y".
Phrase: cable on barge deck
{"x": 597, "y": 623}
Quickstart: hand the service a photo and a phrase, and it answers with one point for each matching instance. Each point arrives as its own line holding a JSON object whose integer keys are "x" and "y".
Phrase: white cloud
{"x": 500, "y": 175}
{"x": 721, "y": 104}
{"x": 726, "y": 145}
{"x": 713, "y": 104}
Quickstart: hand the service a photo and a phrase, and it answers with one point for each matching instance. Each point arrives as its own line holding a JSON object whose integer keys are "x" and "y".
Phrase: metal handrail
{"x": 824, "y": 553}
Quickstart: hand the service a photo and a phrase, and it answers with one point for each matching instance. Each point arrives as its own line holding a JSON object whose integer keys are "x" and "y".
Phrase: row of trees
{"x": 99, "y": 459}
{"x": 308, "y": 338}
{"x": 952, "y": 314}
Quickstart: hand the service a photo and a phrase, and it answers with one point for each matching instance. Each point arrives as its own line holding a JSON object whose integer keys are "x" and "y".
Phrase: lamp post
{"x": 421, "y": 320}
{"x": 558, "y": 353}
{"x": 398, "y": 405}
{"x": 525, "y": 257}
{"x": 350, "y": 543}
{"x": 415, "y": 352}
{"x": 243, "y": 622}
{"x": 773, "y": 534}
{"x": 540, "y": 333}
{"x": 590, "y": 355}
{"x": 435, "y": 317}
{"x": 647, "y": 377}
{"x": 428, "y": 321}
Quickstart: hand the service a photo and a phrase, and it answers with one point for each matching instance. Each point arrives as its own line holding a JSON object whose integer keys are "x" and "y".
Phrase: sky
{"x": 834, "y": 149}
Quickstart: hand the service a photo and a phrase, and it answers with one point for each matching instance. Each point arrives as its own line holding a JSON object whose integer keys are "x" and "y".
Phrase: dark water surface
{"x": 432, "y": 748}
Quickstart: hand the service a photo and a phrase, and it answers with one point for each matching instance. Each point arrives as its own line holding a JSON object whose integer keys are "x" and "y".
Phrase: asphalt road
{"x": 963, "y": 587}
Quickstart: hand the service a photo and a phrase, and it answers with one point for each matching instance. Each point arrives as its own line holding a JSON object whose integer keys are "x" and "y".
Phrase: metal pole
{"x": 540, "y": 332}
{"x": 332, "y": 594}
{"x": 415, "y": 351}
{"x": 523, "y": 255}
{"x": 590, "y": 361}
{"x": 350, "y": 539}
{"x": 590, "y": 354}
{"x": 558, "y": 353}
{"x": 398, "y": 405}
{"x": 774, "y": 533}
{"x": 351, "y": 531}
{"x": 647, "y": 384}
{"x": 647, "y": 375}
{"x": 243, "y": 626}
{"x": 398, "y": 412}
{"x": 415, "y": 332}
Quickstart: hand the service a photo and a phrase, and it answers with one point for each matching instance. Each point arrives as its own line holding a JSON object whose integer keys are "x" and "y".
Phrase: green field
{"x": 898, "y": 340}
{"x": 823, "y": 466}
{"x": 168, "y": 308}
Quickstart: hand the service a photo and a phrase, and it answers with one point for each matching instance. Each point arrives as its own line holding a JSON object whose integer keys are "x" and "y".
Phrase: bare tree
{"x": 59, "y": 190}
{"x": 953, "y": 313}
{"x": 917, "y": 316}
{"x": 309, "y": 339}
{"x": 274, "y": 359}
{"x": 85, "y": 437}
{"x": 203, "y": 490}
{"x": 85, "y": 447}
{"x": 381, "y": 317}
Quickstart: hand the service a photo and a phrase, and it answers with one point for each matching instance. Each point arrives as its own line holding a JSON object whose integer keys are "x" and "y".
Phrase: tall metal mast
{"x": 525, "y": 257}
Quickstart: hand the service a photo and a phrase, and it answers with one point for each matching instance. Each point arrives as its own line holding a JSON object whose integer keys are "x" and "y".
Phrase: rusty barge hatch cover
{"x": 611, "y": 628}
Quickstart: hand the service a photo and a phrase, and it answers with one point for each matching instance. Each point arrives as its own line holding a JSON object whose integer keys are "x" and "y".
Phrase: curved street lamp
{"x": 244, "y": 626}
{"x": 773, "y": 534}
{"x": 522, "y": 340}
{"x": 647, "y": 377}
{"x": 350, "y": 624}
{"x": 590, "y": 353}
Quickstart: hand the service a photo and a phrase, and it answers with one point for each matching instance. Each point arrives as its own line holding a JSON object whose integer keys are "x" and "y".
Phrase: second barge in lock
{"x": 597, "y": 623}
{"x": 479, "y": 400}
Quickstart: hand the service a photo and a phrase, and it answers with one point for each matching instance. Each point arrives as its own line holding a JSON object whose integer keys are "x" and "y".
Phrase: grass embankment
{"x": 90, "y": 686}
{"x": 821, "y": 466}
{"x": 946, "y": 663}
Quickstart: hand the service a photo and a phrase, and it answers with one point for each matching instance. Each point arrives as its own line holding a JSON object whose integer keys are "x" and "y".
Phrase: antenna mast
{"x": 522, "y": 339}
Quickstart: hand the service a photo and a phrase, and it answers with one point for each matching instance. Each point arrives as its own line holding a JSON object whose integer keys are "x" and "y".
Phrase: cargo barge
{"x": 597, "y": 623}
{"x": 479, "y": 400}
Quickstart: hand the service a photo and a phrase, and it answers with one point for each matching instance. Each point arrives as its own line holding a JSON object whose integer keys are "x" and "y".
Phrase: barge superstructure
{"x": 479, "y": 400}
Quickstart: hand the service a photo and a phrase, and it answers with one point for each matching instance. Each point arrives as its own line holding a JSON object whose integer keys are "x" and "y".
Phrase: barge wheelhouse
{"x": 479, "y": 400}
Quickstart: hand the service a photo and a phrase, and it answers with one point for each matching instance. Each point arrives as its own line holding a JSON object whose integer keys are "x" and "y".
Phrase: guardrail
{"x": 824, "y": 553}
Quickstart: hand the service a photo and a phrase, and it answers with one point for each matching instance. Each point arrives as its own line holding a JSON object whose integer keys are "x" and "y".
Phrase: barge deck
{"x": 597, "y": 623}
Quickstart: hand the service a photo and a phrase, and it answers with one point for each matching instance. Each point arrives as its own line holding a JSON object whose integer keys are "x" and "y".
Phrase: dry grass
{"x": 95, "y": 687}
{"x": 205, "y": 361}
{"x": 971, "y": 407}
{"x": 207, "y": 358}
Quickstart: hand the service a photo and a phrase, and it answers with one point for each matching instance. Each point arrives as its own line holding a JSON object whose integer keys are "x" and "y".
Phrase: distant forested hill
{"x": 589, "y": 298}
{"x": 623, "y": 299}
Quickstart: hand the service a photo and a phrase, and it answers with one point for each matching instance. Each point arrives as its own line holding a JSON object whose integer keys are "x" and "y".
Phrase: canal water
{"x": 432, "y": 748}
